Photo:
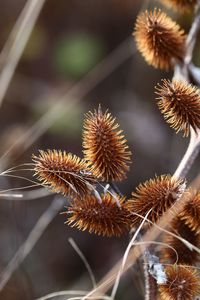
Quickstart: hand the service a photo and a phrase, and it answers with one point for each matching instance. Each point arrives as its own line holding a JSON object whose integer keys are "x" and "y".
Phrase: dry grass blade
{"x": 63, "y": 172}
{"x": 150, "y": 235}
{"x": 16, "y": 43}
{"x": 84, "y": 260}
{"x": 31, "y": 240}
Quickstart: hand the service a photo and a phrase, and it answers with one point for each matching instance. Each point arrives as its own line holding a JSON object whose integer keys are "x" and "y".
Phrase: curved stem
{"x": 189, "y": 156}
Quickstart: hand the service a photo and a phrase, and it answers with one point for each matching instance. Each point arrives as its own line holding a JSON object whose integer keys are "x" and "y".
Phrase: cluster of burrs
{"x": 163, "y": 44}
{"x": 89, "y": 183}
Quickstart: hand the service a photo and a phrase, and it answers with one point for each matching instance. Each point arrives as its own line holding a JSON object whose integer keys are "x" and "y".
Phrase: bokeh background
{"x": 80, "y": 52}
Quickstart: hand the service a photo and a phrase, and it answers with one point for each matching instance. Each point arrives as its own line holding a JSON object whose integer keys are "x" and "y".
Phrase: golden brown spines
{"x": 157, "y": 195}
{"x": 109, "y": 218}
{"x": 180, "y": 5}
{"x": 191, "y": 212}
{"x": 182, "y": 254}
{"x": 179, "y": 102}
{"x": 182, "y": 283}
{"x": 63, "y": 172}
{"x": 159, "y": 39}
{"x": 105, "y": 147}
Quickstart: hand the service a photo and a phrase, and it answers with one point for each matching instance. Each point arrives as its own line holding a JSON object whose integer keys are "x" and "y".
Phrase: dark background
{"x": 71, "y": 38}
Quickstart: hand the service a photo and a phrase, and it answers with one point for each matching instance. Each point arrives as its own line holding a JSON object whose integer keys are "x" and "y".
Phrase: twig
{"x": 114, "y": 291}
{"x": 150, "y": 283}
{"x": 189, "y": 156}
{"x": 192, "y": 36}
{"x": 150, "y": 235}
{"x": 33, "y": 237}
{"x": 16, "y": 43}
{"x": 182, "y": 72}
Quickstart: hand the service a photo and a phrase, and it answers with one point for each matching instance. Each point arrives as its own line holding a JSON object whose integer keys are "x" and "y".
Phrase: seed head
{"x": 159, "y": 39}
{"x": 182, "y": 283}
{"x": 180, "y": 104}
{"x": 191, "y": 212}
{"x": 106, "y": 218}
{"x": 183, "y": 255}
{"x": 63, "y": 172}
{"x": 157, "y": 195}
{"x": 105, "y": 147}
{"x": 180, "y": 5}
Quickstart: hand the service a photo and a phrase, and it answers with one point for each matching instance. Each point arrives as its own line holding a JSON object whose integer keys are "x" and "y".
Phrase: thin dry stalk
{"x": 151, "y": 235}
{"x": 16, "y": 43}
{"x": 33, "y": 237}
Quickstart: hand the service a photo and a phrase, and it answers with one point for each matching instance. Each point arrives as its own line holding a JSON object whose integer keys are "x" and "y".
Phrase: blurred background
{"x": 80, "y": 54}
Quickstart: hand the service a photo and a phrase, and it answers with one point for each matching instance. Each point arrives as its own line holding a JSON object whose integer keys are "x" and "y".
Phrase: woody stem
{"x": 189, "y": 156}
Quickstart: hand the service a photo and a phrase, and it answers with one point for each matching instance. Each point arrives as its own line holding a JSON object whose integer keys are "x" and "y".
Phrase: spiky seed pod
{"x": 106, "y": 218}
{"x": 157, "y": 195}
{"x": 191, "y": 212}
{"x": 179, "y": 102}
{"x": 183, "y": 255}
{"x": 182, "y": 283}
{"x": 105, "y": 147}
{"x": 159, "y": 39}
{"x": 180, "y": 5}
{"x": 63, "y": 172}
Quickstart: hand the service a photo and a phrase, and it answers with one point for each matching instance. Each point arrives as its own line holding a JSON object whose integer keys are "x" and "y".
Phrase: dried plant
{"x": 180, "y": 104}
{"x": 107, "y": 157}
{"x": 63, "y": 172}
{"x": 182, "y": 283}
{"x": 159, "y": 39}
{"x": 180, "y": 5}
{"x": 191, "y": 212}
{"x": 108, "y": 218}
{"x": 95, "y": 202}
{"x": 182, "y": 254}
{"x": 157, "y": 195}
{"x": 105, "y": 147}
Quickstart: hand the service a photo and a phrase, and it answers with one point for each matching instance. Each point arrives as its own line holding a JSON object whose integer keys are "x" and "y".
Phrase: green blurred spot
{"x": 76, "y": 54}
{"x": 69, "y": 123}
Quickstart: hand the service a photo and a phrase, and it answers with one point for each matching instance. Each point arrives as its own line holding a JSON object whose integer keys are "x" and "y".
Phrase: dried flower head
{"x": 105, "y": 146}
{"x": 191, "y": 212}
{"x": 183, "y": 255}
{"x": 182, "y": 283}
{"x": 180, "y": 5}
{"x": 180, "y": 104}
{"x": 63, "y": 172}
{"x": 157, "y": 195}
{"x": 106, "y": 218}
{"x": 159, "y": 39}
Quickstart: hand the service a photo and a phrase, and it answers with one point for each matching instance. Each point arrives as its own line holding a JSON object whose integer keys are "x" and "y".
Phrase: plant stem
{"x": 182, "y": 72}
{"x": 192, "y": 36}
{"x": 190, "y": 155}
{"x": 150, "y": 282}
